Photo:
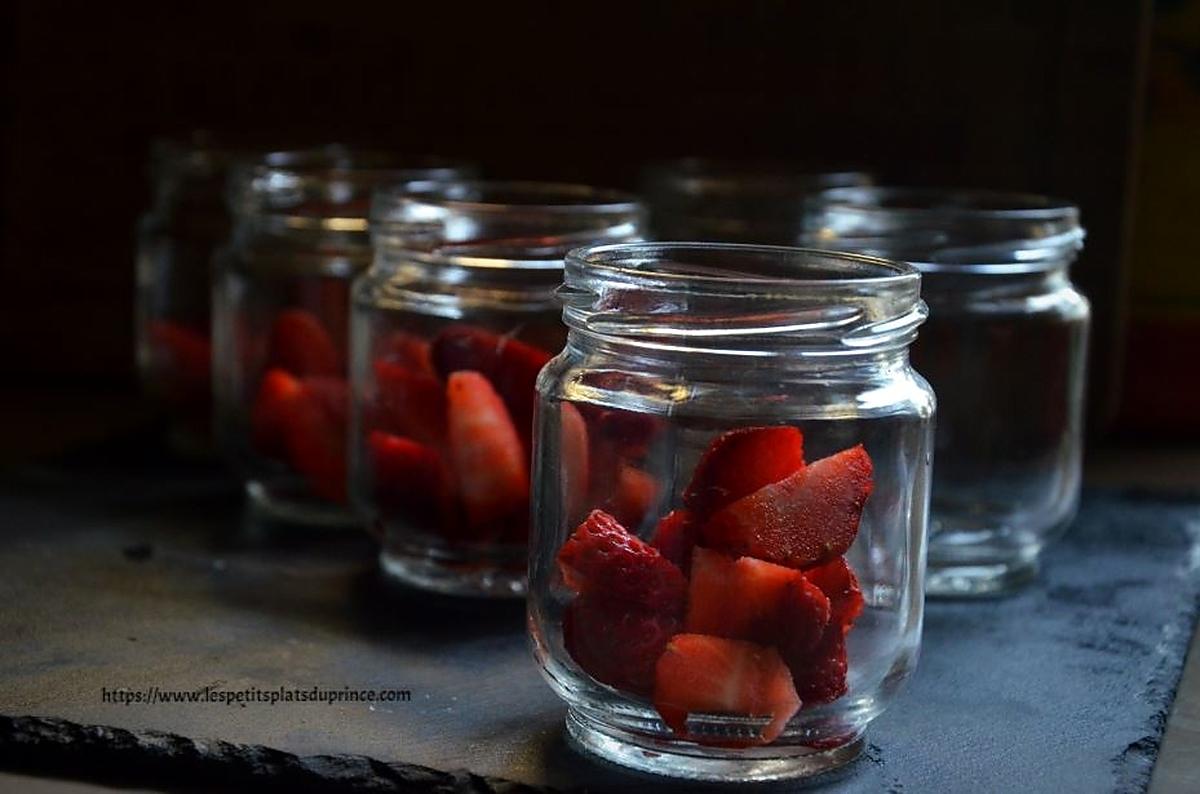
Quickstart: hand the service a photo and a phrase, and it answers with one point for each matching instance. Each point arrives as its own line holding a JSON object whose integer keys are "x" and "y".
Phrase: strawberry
{"x": 277, "y": 392}
{"x": 574, "y": 462}
{"x": 633, "y": 495}
{"x": 820, "y": 673}
{"x": 410, "y": 479}
{"x": 839, "y": 584}
{"x": 701, "y": 674}
{"x": 511, "y": 365}
{"x": 807, "y": 518}
{"x": 485, "y": 452}
{"x": 675, "y": 536}
{"x": 615, "y": 643}
{"x": 748, "y": 599}
{"x": 740, "y": 462}
{"x": 603, "y": 559}
{"x": 629, "y": 433}
{"x": 315, "y": 436}
{"x": 301, "y": 345}
{"x": 409, "y": 351}
{"x": 185, "y": 357}
{"x": 410, "y": 403}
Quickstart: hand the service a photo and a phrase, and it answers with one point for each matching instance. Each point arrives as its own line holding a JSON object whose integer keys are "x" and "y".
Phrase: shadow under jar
{"x": 736, "y": 202}
{"x": 280, "y": 322}
{"x": 176, "y": 240}
{"x": 730, "y": 476}
{"x": 451, "y": 325}
{"x": 1004, "y": 349}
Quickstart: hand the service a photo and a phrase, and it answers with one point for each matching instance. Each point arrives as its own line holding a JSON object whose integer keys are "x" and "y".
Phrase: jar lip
{"x": 500, "y": 196}
{"x": 947, "y": 202}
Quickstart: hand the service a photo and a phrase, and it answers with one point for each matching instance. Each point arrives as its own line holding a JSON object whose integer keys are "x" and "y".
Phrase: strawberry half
{"x": 410, "y": 403}
{"x": 301, "y": 345}
{"x": 485, "y": 453}
{"x": 574, "y": 462}
{"x": 748, "y": 599}
{"x": 820, "y": 673}
{"x": 701, "y": 674}
{"x": 805, "y": 519}
{"x": 409, "y": 351}
{"x": 839, "y": 584}
{"x": 740, "y": 462}
{"x": 278, "y": 391}
{"x": 632, "y": 496}
{"x": 315, "y": 436}
{"x": 675, "y": 536}
{"x": 410, "y": 479}
{"x": 603, "y": 559}
{"x": 185, "y": 358}
{"x": 617, "y": 644}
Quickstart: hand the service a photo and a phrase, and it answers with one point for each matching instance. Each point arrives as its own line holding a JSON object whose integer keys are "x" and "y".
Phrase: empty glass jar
{"x": 451, "y": 325}
{"x": 735, "y": 202}
{"x": 730, "y": 486}
{"x": 1004, "y": 348}
{"x": 280, "y": 322}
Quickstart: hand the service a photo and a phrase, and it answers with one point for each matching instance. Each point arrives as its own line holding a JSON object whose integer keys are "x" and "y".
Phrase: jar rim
{"x": 947, "y": 202}
{"x": 526, "y": 195}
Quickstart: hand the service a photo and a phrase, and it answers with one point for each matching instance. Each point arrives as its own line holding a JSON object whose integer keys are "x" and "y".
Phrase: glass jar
{"x": 175, "y": 243}
{"x": 450, "y": 327}
{"x": 734, "y": 202}
{"x": 280, "y": 322}
{"x": 1004, "y": 348}
{"x": 730, "y": 478}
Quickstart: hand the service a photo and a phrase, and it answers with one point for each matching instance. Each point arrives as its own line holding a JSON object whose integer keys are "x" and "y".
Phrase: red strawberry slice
{"x": 301, "y": 345}
{"x": 574, "y": 462}
{"x": 675, "y": 536}
{"x": 485, "y": 452}
{"x": 633, "y": 495}
{"x": 820, "y": 674}
{"x": 511, "y": 365}
{"x": 185, "y": 358}
{"x": 410, "y": 479}
{"x": 410, "y": 403}
{"x": 740, "y": 462}
{"x": 629, "y": 433}
{"x": 701, "y": 674}
{"x": 603, "y": 559}
{"x": 409, "y": 351}
{"x": 315, "y": 436}
{"x": 268, "y": 422}
{"x": 805, "y": 519}
{"x": 748, "y": 599}
{"x": 837, "y": 581}
{"x": 615, "y": 643}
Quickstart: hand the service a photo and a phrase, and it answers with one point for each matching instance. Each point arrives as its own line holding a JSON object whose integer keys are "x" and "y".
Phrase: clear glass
{"x": 281, "y": 299}
{"x": 1005, "y": 349}
{"x": 451, "y": 325}
{"x": 707, "y": 526}
{"x": 734, "y": 201}
{"x": 176, "y": 240}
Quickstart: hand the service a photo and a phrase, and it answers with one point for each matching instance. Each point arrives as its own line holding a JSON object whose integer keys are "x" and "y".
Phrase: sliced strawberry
{"x": 633, "y": 495}
{"x": 603, "y": 559}
{"x": 574, "y": 462}
{"x": 301, "y": 345}
{"x": 485, "y": 452}
{"x": 805, "y": 519}
{"x": 740, "y": 462}
{"x": 185, "y": 359}
{"x": 629, "y": 433}
{"x": 410, "y": 403}
{"x": 615, "y": 643}
{"x": 748, "y": 599}
{"x": 315, "y": 436}
{"x": 820, "y": 674}
{"x": 675, "y": 536}
{"x": 701, "y": 674}
{"x": 410, "y": 479}
{"x": 409, "y": 351}
{"x": 511, "y": 365}
{"x": 268, "y": 418}
{"x": 837, "y": 581}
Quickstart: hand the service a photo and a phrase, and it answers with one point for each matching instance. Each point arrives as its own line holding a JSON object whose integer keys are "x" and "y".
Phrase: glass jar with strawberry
{"x": 1005, "y": 349}
{"x": 731, "y": 478}
{"x": 451, "y": 326}
{"x": 281, "y": 322}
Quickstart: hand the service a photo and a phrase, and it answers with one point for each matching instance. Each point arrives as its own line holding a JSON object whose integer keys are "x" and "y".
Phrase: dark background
{"x": 1041, "y": 95}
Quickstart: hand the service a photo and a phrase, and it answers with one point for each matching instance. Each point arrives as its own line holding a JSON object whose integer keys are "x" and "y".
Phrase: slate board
{"x": 128, "y": 571}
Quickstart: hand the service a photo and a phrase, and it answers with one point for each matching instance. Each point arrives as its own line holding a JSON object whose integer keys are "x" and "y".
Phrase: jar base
{"x": 982, "y": 580}
{"x": 471, "y": 580}
{"x": 708, "y": 764}
{"x": 268, "y": 504}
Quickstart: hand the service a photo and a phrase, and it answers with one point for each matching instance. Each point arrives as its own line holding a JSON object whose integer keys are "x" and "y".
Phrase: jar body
{"x": 1006, "y": 357}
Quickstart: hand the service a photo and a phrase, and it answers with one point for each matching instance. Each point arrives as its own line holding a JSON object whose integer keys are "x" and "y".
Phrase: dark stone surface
{"x": 126, "y": 575}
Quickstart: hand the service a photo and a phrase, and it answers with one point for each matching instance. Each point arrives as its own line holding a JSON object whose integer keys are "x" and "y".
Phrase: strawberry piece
{"x": 410, "y": 403}
{"x": 185, "y": 359}
{"x": 748, "y": 599}
{"x": 602, "y": 558}
{"x": 740, "y": 462}
{"x": 511, "y": 365}
{"x": 633, "y": 495}
{"x": 301, "y": 345}
{"x": 701, "y": 674}
{"x": 268, "y": 422}
{"x": 315, "y": 436}
{"x": 630, "y": 434}
{"x": 485, "y": 452}
{"x": 409, "y": 351}
{"x": 617, "y": 644}
{"x": 820, "y": 674}
{"x": 839, "y": 584}
{"x": 574, "y": 462}
{"x": 805, "y": 519}
{"x": 410, "y": 478}
{"x": 675, "y": 536}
